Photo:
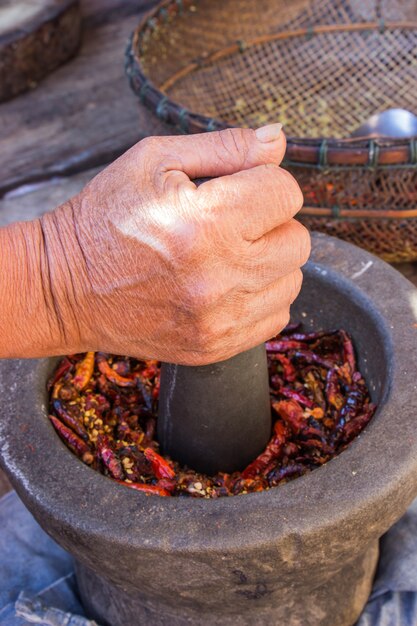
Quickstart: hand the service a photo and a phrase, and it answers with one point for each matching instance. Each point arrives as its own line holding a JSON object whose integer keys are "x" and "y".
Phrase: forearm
{"x": 36, "y": 318}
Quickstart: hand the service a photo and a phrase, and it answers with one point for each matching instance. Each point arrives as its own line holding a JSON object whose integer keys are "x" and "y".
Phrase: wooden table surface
{"x": 55, "y": 138}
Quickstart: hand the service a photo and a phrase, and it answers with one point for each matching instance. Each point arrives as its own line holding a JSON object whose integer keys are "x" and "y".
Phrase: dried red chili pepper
{"x": 60, "y": 371}
{"x": 107, "y": 416}
{"x": 308, "y": 337}
{"x": 291, "y": 413}
{"x": 284, "y": 345}
{"x": 75, "y": 443}
{"x": 288, "y": 369}
{"x": 333, "y": 391}
{"x": 296, "y": 395}
{"x": 111, "y": 374}
{"x": 279, "y": 474}
{"x": 272, "y": 451}
{"x": 311, "y": 357}
{"x": 161, "y": 468}
{"x": 109, "y": 458}
{"x": 348, "y": 351}
{"x": 153, "y": 490}
{"x": 69, "y": 420}
{"x": 84, "y": 371}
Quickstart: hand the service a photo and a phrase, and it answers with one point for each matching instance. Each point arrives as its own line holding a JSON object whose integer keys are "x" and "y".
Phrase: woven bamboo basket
{"x": 320, "y": 67}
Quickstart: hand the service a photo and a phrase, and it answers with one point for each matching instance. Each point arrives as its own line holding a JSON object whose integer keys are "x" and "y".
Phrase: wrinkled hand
{"x": 145, "y": 263}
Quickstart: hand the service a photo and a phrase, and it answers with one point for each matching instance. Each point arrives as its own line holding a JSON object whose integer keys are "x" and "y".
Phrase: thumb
{"x": 222, "y": 152}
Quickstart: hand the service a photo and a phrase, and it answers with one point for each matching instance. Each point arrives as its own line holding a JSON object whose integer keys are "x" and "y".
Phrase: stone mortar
{"x": 303, "y": 554}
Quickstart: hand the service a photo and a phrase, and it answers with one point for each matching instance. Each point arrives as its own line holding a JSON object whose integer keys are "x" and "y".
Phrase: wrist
{"x": 27, "y": 324}
{"x": 63, "y": 269}
{"x": 37, "y": 289}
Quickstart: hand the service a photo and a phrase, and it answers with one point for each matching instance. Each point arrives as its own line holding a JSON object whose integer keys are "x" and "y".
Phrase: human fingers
{"x": 176, "y": 160}
{"x": 253, "y": 201}
{"x": 276, "y": 254}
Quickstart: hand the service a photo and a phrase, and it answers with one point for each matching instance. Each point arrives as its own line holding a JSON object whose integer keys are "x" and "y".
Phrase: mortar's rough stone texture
{"x": 303, "y": 554}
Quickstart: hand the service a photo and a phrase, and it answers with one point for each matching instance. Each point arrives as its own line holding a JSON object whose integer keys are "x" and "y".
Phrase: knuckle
{"x": 149, "y": 145}
{"x": 201, "y": 300}
{"x": 256, "y": 252}
{"x": 283, "y": 320}
{"x": 292, "y": 191}
{"x": 306, "y": 244}
{"x": 159, "y": 154}
{"x": 295, "y": 285}
{"x": 302, "y": 242}
{"x": 275, "y": 324}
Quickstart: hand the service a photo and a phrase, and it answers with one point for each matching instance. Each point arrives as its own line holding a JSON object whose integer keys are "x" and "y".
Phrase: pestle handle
{"x": 216, "y": 417}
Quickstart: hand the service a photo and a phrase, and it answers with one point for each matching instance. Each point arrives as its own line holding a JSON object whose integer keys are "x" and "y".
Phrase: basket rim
{"x": 322, "y": 152}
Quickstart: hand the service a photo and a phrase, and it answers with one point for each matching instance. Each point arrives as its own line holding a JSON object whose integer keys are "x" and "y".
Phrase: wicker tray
{"x": 321, "y": 68}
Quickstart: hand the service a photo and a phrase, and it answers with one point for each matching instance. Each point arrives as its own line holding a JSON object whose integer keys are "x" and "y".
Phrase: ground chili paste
{"x": 104, "y": 407}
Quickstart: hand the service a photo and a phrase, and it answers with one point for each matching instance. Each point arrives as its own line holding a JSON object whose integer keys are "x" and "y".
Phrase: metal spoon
{"x": 394, "y": 123}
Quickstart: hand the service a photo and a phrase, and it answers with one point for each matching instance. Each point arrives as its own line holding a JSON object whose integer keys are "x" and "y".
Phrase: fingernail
{"x": 268, "y": 133}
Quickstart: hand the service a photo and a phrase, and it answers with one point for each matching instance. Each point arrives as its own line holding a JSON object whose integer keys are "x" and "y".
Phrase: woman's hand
{"x": 143, "y": 262}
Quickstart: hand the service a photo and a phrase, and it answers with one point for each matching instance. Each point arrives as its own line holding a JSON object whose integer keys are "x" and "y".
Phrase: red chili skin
{"x": 161, "y": 468}
{"x": 150, "y": 428}
{"x": 291, "y": 413}
{"x": 357, "y": 424}
{"x": 310, "y": 431}
{"x": 156, "y": 388}
{"x": 296, "y": 395}
{"x": 151, "y": 369}
{"x": 311, "y": 357}
{"x": 75, "y": 443}
{"x": 272, "y": 451}
{"x": 308, "y": 337}
{"x": 153, "y": 490}
{"x": 145, "y": 388}
{"x": 112, "y": 375}
{"x": 348, "y": 351}
{"x": 313, "y": 382}
{"x": 288, "y": 369}
{"x": 344, "y": 374}
{"x": 109, "y": 458}
{"x": 333, "y": 394}
{"x": 64, "y": 367}
{"x": 284, "y": 345}
{"x": 319, "y": 445}
{"x": 167, "y": 483}
{"x": 69, "y": 420}
{"x": 279, "y": 474}
{"x": 354, "y": 404}
{"x": 250, "y": 485}
{"x": 84, "y": 371}
{"x": 125, "y": 432}
{"x": 122, "y": 368}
